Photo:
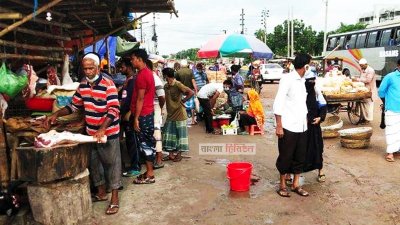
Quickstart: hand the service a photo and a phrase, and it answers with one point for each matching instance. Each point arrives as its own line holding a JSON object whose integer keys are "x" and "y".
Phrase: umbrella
{"x": 235, "y": 45}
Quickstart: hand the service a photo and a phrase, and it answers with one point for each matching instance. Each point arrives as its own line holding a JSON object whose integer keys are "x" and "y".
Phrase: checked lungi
{"x": 392, "y": 131}
{"x": 175, "y": 136}
{"x": 146, "y": 139}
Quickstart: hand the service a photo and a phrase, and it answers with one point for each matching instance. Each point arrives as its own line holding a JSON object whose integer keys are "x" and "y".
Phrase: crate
{"x": 229, "y": 131}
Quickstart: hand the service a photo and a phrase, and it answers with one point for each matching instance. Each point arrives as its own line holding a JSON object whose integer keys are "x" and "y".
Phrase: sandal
{"x": 283, "y": 192}
{"x": 321, "y": 178}
{"x": 168, "y": 158}
{"x": 147, "y": 180}
{"x": 389, "y": 159}
{"x": 217, "y": 132}
{"x": 112, "y": 209}
{"x": 178, "y": 158}
{"x": 300, "y": 191}
{"x": 97, "y": 198}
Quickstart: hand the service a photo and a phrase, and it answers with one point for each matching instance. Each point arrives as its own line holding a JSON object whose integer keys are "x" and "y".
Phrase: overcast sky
{"x": 200, "y": 20}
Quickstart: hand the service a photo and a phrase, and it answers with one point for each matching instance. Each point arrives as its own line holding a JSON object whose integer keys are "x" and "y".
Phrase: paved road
{"x": 361, "y": 187}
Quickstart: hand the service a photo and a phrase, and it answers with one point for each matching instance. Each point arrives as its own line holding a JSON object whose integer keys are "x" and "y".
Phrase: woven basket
{"x": 355, "y": 144}
{"x": 330, "y": 134}
{"x": 359, "y": 133}
{"x": 332, "y": 123}
{"x": 348, "y": 96}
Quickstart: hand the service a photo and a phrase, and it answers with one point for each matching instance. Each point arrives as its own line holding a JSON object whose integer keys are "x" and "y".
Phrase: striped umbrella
{"x": 235, "y": 45}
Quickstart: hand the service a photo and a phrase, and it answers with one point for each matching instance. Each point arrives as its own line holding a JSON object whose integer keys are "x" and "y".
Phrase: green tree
{"x": 190, "y": 54}
{"x": 260, "y": 34}
{"x": 349, "y": 27}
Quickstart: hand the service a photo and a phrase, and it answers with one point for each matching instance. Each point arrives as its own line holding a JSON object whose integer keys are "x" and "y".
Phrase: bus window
{"x": 341, "y": 42}
{"x": 352, "y": 41}
{"x": 360, "y": 43}
{"x": 397, "y": 38}
{"x": 372, "y": 37}
{"x": 332, "y": 43}
{"x": 387, "y": 38}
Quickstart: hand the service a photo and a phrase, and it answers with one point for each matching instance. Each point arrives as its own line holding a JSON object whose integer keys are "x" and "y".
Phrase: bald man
{"x": 97, "y": 96}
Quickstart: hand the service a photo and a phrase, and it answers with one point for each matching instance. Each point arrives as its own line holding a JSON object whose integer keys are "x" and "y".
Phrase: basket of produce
{"x": 349, "y": 96}
{"x": 330, "y": 127}
{"x": 229, "y": 130}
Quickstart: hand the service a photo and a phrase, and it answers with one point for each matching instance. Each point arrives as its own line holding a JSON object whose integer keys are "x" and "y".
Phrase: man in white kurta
{"x": 369, "y": 79}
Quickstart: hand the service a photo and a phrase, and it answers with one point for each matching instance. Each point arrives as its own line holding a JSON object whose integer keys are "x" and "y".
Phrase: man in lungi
{"x": 186, "y": 77}
{"x": 142, "y": 109}
{"x": 368, "y": 77}
{"x": 175, "y": 135}
{"x": 389, "y": 92}
{"x": 97, "y": 96}
{"x": 290, "y": 111}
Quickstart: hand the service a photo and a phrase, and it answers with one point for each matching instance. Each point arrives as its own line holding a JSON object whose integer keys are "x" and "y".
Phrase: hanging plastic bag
{"x": 66, "y": 78}
{"x": 11, "y": 84}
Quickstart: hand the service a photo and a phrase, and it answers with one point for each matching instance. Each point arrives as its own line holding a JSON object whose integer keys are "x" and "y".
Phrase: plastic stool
{"x": 255, "y": 130}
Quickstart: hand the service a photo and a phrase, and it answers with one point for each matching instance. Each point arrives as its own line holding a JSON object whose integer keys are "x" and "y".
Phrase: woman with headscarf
{"x": 254, "y": 114}
{"x": 316, "y": 106}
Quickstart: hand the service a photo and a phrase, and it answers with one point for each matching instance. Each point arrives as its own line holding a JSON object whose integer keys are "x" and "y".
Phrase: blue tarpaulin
{"x": 101, "y": 48}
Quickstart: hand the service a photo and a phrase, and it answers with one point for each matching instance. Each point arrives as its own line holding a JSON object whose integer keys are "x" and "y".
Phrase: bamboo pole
{"x": 115, "y": 30}
{"x": 38, "y": 33}
{"x": 28, "y": 17}
{"x": 32, "y": 47}
{"x": 30, "y": 57}
{"x": 10, "y": 16}
{"x": 40, "y": 21}
{"x": 30, "y": 5}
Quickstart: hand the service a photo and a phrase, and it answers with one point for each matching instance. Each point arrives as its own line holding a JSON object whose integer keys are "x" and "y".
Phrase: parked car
{"x": 271, "y": 72}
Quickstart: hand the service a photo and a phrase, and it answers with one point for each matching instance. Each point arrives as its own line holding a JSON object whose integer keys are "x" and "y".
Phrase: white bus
{"x": 379, "y": 45}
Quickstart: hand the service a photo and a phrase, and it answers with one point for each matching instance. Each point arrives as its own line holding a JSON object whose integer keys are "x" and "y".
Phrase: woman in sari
{"x": 254, "y": 114}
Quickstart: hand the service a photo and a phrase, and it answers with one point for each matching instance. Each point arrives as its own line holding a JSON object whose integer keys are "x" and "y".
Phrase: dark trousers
{"x": 292, "y": 152}
{"x": 131, "y": 144}
{"x": 205, "y": 104}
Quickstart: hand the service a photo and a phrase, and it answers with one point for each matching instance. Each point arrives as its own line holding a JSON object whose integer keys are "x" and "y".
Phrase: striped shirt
{"x": 98, "y": 102}
{"x": 200, "y": 78}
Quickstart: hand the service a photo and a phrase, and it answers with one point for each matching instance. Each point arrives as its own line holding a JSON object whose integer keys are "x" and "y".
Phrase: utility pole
{"x": 264, "y": 15}
{"x": 292, "y": 40}
{"x": 288, "y": 34}
{"x": 224, "y": 31}
{"x": 141, "y": 31}
{"x": 326, "y": 27}
{"x": 154, "y": 38}
{"x": 242, "y": 20}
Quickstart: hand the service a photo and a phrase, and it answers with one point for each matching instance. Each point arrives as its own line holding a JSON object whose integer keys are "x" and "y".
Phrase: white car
{"x": 271, "y": 72}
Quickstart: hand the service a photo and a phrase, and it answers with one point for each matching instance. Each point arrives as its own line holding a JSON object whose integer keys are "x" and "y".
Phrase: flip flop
{"x": 112, "y": 209}
{"x": 389, "y": 159}
{"x": 97, "y": 198}
{"x": 321, "y": 178}
{"x": 300, "y": 191}
{"x": 283, "y": 192}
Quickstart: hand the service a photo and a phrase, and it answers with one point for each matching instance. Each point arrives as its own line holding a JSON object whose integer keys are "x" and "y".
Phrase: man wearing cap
{"x": 369, "y": 79}
{"x": 186, "y": 77}
{"x": 97, "y": 96}
{"x": 389, "y": 92}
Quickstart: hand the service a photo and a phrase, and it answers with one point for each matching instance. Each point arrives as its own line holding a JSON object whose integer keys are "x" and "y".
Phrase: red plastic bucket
{"x": 238, "y": 174}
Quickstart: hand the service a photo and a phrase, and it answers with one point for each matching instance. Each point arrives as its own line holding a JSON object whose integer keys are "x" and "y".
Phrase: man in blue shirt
{"x": 389, "y": 92}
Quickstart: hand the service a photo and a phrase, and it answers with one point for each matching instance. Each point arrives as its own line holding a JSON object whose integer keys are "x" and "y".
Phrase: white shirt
{"x": 290, "y": 102}
{"x": 159, "y": 88}
{"x": 209, "y": 90}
